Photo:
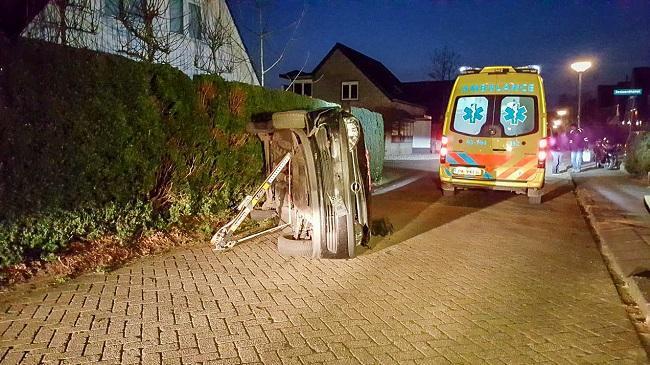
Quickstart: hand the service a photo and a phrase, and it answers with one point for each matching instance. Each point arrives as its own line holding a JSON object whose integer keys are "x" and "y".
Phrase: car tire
{"x": 448, "y": 190}
{"x": 288, "y": 246}
{"x": 534, "y": 196}
{"x": 289, "y": 120}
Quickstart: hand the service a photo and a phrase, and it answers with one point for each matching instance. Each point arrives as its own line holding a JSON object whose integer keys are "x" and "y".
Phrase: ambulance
{"x": 494, "y": 133}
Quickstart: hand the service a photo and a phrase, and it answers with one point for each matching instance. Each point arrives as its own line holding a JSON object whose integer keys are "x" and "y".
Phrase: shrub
{"x": 373, "y": 129}
{"x": 637, "y": 157}
{"x": 94, "y": 144}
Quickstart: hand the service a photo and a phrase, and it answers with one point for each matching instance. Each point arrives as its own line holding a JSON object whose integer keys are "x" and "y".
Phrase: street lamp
{"x": 580, "y": 67}
{"x": 562, "y": 112}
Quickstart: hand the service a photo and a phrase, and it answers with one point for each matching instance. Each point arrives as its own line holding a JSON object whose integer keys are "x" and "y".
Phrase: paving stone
{"x": 469, "y": 280}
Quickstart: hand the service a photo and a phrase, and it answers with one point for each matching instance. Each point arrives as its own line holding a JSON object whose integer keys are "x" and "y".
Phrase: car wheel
{"x": 448, "y": 190}
{"x": 289, "y": 246}
{"x": 289, "y": 120}
{"x": 534, "y": 196}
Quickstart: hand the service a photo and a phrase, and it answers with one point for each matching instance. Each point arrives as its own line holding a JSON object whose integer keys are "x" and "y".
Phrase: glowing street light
{"x": 580, "y": 67}
{"x": 557, "y": 123}
{"x": 562, "y": 112}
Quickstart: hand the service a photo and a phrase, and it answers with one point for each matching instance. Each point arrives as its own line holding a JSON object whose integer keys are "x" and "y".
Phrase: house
{"x": 195, "y": 36}
{"x": 351, "y": 78}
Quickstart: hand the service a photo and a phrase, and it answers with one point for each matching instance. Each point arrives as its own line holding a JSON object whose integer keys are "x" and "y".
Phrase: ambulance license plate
{"x": 467, "y": 171}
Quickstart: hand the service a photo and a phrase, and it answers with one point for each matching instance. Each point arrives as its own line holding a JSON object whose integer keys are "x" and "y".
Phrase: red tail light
{"x": 443, "y": 149}
{"x": 543, "y": 143}
{"x": 541, "y": 153}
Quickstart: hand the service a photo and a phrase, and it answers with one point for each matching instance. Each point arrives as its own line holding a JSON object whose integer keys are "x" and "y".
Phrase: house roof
{"x": 241, "y": 40}
{"x": 431, "y": 95}
{"x": 374, "y": 70}
{"x": 296, "y": 75}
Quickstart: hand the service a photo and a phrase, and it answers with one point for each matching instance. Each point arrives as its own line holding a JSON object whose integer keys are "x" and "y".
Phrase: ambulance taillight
{"x": 541, "y": 153}
{"x": 443, "y": 149}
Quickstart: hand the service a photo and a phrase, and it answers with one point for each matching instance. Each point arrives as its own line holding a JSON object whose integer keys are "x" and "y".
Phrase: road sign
{"x": 628, "y": 92}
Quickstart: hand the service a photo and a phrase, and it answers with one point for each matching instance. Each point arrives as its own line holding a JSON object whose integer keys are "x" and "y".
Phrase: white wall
{"x": 110, "y": 37}
{"x": 422, "y": 133}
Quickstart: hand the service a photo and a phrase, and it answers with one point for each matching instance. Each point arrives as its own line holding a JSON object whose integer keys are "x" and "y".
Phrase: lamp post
{"x": 580, "y": 67}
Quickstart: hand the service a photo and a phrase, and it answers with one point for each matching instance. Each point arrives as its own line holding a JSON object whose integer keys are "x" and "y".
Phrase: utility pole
{"x": 262, "y": 33}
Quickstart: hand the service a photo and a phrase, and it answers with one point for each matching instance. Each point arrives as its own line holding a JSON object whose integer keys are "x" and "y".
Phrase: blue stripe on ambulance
{"x": 467, "y": 158}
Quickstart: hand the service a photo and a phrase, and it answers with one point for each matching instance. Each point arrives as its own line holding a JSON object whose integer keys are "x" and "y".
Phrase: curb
{"x": 625, "y": 279}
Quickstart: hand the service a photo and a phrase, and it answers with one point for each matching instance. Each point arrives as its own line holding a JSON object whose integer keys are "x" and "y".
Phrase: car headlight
{"x": 353, "y": 130}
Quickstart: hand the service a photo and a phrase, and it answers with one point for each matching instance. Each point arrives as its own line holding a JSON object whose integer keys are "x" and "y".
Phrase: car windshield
{"x": 495, "y": 115}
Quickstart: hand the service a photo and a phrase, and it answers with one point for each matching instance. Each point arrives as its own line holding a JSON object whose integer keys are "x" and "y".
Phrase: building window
{"x": 302, "y": 88}
{"x": 195, "y": 21}
{"x": 350, "y": 90}
{"x": 176, "y": 16}
{"x": 402, "y": 131}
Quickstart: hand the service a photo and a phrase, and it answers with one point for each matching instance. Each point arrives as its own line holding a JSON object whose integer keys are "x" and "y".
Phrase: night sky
{"x": 404, "y": 34}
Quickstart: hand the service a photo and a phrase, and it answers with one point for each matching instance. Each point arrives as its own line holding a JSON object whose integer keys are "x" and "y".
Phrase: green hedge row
{"x": 373, "y": 128}
{"x": 93, "y": 143}
{"x": 637, "y": 154}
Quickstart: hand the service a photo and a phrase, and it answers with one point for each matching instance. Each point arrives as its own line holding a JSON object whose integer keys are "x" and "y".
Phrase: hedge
{"x": 373, "y": 127}
{"x": 94, "y": 144}
{"x": 637, "y": 156}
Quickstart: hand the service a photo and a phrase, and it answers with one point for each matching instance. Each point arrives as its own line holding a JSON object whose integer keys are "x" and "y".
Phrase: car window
{"x": 471, "y": 114}
{"x": 517, "y": 115}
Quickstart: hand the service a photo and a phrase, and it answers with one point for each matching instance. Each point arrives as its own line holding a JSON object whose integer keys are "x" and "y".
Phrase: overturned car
{"x": 324, "y": 192}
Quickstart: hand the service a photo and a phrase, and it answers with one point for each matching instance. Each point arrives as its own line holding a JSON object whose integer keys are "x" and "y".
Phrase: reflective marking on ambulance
{"x": 507, "y": 168}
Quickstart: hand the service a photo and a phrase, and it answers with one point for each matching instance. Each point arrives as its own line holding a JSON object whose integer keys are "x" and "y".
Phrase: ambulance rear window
{"x": 495, "y": 115}
{"x": 517, "y": 115}
{"x": 471, "y": 114}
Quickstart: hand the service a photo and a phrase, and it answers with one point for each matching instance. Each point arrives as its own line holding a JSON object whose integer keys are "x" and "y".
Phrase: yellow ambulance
{"x": 494, "y": 134}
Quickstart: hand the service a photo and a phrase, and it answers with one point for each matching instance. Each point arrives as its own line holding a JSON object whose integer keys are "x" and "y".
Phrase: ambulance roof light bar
{"x": 535, "y": 69}
{"x": 466, "y": 70}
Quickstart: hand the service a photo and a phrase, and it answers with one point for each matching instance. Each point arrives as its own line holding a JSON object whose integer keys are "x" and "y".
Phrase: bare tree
{"x": 264, "y": 34}
{"x": 69, "y": 22}
{"x": 444, "y": 64}
{"x": 220, "y": 53}
{"x": 147, "y": 35}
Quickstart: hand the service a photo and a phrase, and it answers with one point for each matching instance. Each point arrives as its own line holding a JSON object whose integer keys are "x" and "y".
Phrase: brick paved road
{"x": 477, "y": 278}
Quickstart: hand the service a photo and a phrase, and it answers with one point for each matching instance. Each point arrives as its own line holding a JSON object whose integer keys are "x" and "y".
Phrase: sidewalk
{"x": 614, "y": 205}
{"x": 400, "y": 173}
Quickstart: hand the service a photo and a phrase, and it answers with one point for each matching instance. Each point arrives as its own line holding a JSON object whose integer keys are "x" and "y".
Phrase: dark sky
{"x": 404, "y": 34}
